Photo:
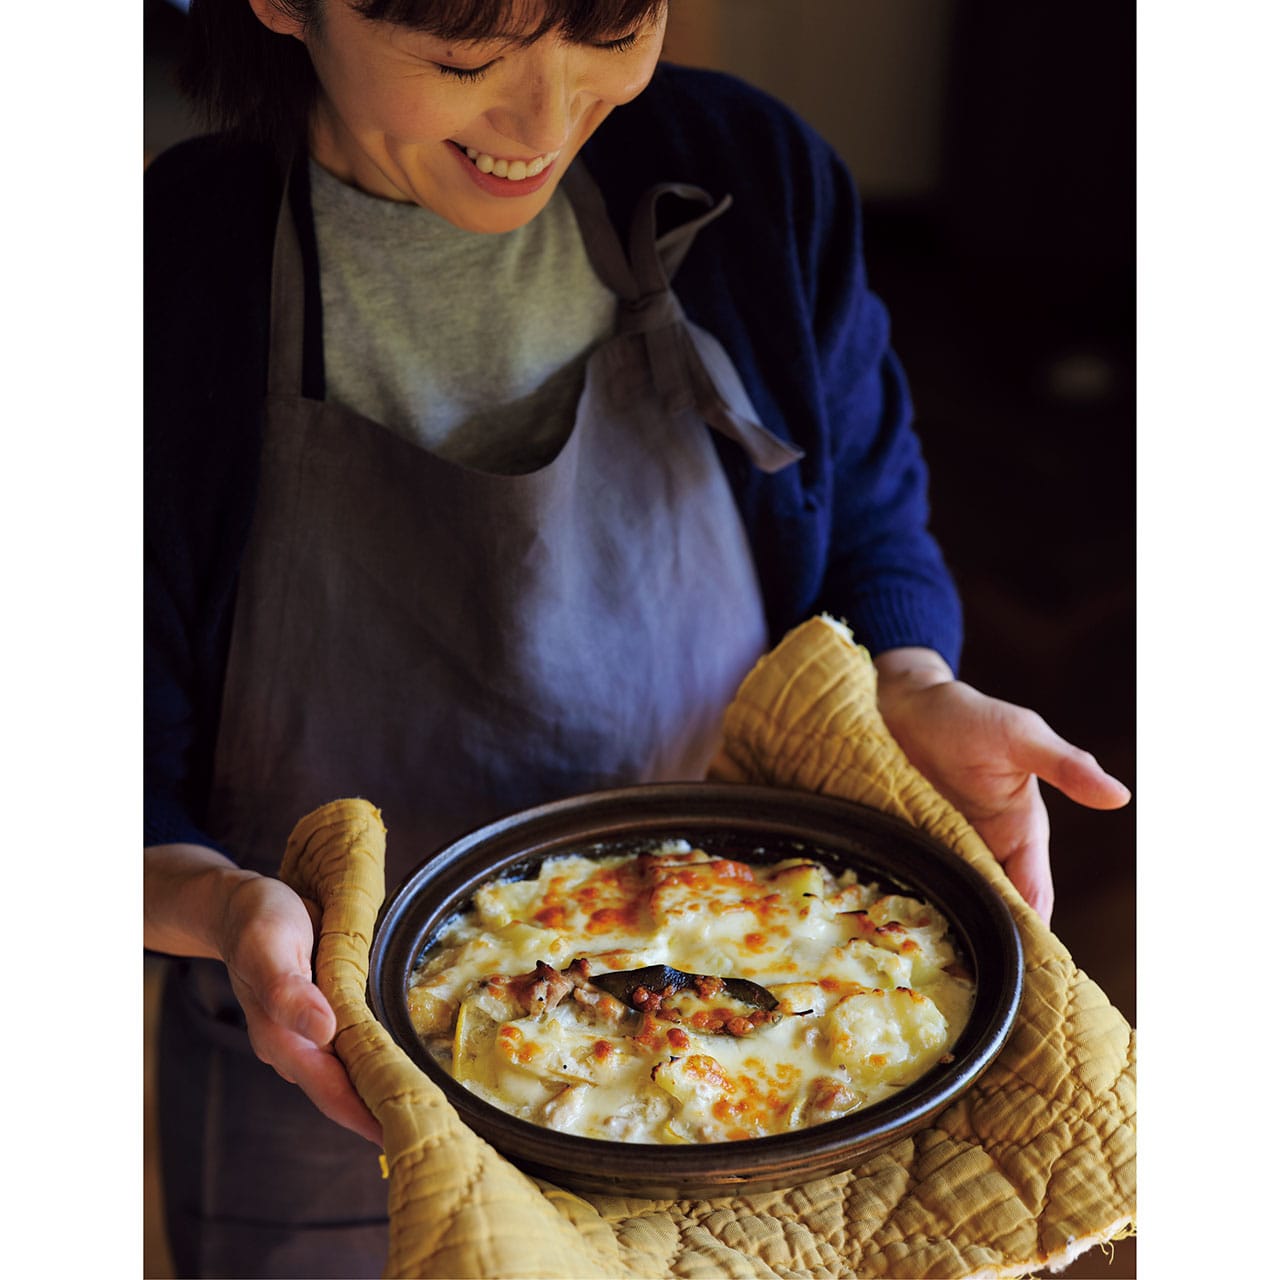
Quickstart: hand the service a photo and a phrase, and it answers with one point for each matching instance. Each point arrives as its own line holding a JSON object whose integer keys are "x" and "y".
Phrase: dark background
{"x": 1013, "y": 297}
{"x": 1010, "y": 276}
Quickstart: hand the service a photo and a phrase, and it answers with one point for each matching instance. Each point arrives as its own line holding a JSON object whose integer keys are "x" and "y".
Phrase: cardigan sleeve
{"x": 208, "y": 216}
{"x": 781, "y": 281}
{"x": 884, "y": 570}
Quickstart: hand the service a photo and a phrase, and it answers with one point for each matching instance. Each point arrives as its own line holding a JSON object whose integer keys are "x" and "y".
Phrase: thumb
{"x": 294, "y": 1001}
{"x": 1038, "y": 749}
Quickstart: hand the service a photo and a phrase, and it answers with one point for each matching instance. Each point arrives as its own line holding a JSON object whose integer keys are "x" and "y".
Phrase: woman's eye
{"x": 621, "y": 44}
{"x": 468, "y": 74}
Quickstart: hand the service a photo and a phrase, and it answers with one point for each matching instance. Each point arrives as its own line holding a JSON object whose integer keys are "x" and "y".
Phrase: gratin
{"x": 866, "y": 993}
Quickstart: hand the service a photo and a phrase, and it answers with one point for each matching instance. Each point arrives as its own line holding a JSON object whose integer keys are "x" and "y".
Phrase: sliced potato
{"x": 879, "y": 1033}
{"x": 863, "y": 963}
{"x": 528, "y": 943}
{"x": 430, "y": 1012}
{"x": 798, "y": 879}
{"x": 563, "y": 1110}
{"x": 498, "y": 904}
{"x": 697, "y": 1081}
{"x": 801, "y": 997}
{"x": 473, "y": 1044}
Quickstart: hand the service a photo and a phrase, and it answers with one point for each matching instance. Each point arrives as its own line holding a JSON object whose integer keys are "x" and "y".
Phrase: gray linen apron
{"x": 453, "y": 645}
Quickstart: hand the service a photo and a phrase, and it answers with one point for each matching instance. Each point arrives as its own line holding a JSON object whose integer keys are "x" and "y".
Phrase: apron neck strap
{"x": 689, "y": 373}
{"x": 655, "y": 259}
{"x": 647, "y": 269}
{"x": 604, "y": 249}
{"x": 641, "y": 279}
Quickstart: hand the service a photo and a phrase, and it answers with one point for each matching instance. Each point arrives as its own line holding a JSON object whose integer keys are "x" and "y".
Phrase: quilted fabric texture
{"x": 1032, "y": 1166}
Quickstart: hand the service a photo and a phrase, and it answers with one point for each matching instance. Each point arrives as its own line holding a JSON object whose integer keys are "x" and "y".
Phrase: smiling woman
{"x": 266, "y": 88}
{"x": 450, "y": 106}
{"x": 509, "y": 393}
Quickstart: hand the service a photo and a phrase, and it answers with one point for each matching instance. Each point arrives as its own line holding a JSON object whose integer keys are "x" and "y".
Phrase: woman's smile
{"x": 480, "y": 132}
{"x": 500, "y": 176}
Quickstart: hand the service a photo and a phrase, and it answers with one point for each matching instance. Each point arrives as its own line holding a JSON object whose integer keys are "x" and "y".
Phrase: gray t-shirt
{"x": 472, "y": 346}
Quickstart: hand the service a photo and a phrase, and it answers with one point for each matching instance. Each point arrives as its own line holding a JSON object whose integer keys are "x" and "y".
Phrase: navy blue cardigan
{"x": 779, "y": 280}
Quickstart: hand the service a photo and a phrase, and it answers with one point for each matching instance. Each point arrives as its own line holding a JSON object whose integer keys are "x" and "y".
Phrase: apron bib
{"x": 455, "y": 645}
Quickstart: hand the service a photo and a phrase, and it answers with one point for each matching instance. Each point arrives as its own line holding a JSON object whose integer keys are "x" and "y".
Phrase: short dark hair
{"x": 246, "y": 79}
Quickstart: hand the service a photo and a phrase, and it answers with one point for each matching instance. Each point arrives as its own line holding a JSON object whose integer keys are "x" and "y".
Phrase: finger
{"x": 1019, "y": 838}
{"x": 314, "y": 914}
{"x": 317, "y": 1072}
{"x": 322, "y": 1077}
{"x": 1028, "y": 868}
{"x": 272, "y": 961}
{"x": 293, "y": 1001}
{"x": 1034, "y": 746}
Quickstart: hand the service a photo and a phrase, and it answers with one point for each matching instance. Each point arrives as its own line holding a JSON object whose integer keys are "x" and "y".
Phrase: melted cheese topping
{"x": 871, "y": 995}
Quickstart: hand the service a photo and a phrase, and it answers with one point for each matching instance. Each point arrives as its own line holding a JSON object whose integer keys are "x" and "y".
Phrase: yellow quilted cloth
{"x": 1031, "y": 1167}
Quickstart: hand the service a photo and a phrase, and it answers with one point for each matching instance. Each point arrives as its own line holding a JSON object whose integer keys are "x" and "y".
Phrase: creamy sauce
{"x": 870, "y": 992}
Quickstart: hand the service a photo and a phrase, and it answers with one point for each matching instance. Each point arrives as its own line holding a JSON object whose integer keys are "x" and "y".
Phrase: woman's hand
{"x": 986, "y": 756}
{"x": 198, "y": 903}
{"x": 267, "y": 937}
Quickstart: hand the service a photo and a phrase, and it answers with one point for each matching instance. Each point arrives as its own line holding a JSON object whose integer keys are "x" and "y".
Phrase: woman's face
{"x": 480, "y": 132}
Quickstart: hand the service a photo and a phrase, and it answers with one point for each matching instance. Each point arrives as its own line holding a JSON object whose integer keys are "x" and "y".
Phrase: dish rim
{"x": 850, "y": 834}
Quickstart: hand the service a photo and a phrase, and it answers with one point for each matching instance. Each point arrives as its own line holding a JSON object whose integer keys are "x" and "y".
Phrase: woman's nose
{"x": 538, "y": 111}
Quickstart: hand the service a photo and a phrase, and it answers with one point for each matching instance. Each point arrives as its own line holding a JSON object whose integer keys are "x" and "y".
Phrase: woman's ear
{"x": 276, "y": 18}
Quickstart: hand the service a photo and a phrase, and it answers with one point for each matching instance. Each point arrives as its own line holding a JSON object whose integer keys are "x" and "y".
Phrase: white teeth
{"x": 512, "y": 170}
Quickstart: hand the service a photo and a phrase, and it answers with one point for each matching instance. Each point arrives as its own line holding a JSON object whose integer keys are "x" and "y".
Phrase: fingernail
{"x": 311, "y": 1025}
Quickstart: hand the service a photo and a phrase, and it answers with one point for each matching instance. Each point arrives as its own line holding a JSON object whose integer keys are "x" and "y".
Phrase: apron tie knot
{"x": 650, "y": 311}
{"x": 691, "y": 370}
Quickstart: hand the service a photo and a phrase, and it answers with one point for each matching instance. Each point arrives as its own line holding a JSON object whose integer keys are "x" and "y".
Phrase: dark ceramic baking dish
{"x": 756, "y": 824}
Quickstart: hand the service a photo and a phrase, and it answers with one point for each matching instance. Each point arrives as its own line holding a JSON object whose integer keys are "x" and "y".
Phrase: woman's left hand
{"x": 985, "y": 756}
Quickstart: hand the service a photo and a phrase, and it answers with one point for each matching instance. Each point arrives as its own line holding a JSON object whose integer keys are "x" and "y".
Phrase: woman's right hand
{"x": 268, "y": 936}
{"x": 198, "y": 903}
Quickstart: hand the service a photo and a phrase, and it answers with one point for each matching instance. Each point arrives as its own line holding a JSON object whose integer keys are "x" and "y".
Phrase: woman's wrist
{"x": 187, "y": 892}
{"x": 912, "y": 667}
{"x": 902, "y": 675}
